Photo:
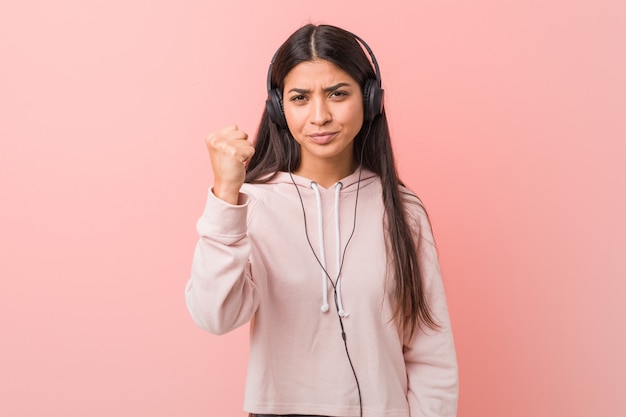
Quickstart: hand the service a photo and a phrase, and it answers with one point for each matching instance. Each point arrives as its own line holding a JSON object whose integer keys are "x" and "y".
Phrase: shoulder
{"x": 413, "y": 205}
{"x": 417, "y": 216}
{"x": 253, "y": 190}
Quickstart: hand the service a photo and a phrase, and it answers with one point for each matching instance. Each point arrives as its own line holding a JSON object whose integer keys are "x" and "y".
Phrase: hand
{"x": 230, "y": 151}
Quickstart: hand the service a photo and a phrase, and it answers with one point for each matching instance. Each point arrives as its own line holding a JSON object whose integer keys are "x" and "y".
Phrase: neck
{"x": 326, "y": 174}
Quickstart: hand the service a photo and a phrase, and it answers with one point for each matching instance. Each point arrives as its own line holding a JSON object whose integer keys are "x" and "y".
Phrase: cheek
{"x": 354, "y": 114}
{"x": 294, "y": 124}
{"x": 294, "y": 116}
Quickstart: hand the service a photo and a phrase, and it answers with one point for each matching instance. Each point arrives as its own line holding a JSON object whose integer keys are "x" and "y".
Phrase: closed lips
{"x": 322, "y": 137}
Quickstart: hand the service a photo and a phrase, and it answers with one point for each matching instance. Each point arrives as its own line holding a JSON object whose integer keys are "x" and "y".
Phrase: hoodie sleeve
{"x": 430, "y": 356}
{"x": 220, "y": 293}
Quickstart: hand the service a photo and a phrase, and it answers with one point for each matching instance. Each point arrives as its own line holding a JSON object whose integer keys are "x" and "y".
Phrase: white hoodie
{"x": 253, "y": 262}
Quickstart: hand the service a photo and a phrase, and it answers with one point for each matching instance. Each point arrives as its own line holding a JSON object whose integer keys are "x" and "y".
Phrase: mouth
{"x": 322, "y": 137}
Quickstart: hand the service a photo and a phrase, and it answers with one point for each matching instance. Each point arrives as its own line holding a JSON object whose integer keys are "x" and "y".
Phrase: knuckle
{"x": 211, "y": 139}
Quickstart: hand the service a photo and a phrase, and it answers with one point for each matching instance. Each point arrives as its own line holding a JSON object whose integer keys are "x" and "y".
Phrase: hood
{"x": 348, "y": 184}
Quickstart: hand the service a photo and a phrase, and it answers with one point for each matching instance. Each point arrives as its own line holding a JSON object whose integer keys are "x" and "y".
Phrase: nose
{"x": 320, "y": 112}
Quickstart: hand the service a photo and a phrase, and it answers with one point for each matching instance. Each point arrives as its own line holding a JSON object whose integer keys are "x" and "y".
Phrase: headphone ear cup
{"x": 274, "y": 106}
{"x": 372, "y": 99}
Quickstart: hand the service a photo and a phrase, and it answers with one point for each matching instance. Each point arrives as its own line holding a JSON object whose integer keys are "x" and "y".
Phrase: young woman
{"x": 309, "y": 235}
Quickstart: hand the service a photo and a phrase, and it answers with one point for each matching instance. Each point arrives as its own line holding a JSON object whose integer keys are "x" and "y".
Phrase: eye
{"x": 298, "y": 98}
{"x": 338, "y": 94}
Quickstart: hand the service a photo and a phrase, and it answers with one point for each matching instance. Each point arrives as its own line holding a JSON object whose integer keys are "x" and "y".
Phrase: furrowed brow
{"x": 326, "y": 90}
{"x": 299, "y": 91}
{"x": 336, "y": 87}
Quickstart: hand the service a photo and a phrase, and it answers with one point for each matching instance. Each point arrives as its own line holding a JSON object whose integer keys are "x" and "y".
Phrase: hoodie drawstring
{"x": 320, "y": 227}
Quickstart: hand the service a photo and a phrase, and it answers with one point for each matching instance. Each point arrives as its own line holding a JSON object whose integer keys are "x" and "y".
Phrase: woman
{"x": 310, "y": 236}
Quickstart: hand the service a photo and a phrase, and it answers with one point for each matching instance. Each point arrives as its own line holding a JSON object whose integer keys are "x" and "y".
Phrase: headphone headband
{"x": 372, "y": 57}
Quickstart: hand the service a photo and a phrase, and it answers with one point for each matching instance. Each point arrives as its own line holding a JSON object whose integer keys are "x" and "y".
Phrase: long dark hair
{"x": 275, "y": 151}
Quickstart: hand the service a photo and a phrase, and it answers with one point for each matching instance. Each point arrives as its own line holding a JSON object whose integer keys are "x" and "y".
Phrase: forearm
{"x": 220, "y": 293}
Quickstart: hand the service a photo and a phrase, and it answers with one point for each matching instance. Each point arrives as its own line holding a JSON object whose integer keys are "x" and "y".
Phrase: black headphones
{"x": 372, "y": 93}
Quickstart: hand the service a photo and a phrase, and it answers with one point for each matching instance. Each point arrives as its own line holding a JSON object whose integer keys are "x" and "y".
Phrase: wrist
{"x": 226, "y": 193}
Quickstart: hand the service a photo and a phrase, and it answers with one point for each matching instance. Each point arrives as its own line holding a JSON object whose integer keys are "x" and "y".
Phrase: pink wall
{"x": 510, "y": 122}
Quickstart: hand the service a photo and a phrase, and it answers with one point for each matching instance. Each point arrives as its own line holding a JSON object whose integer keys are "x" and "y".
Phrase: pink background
{"x": 509, "y": 121}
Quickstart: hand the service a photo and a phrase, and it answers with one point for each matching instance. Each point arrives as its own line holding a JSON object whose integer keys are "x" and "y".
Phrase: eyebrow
{"x": 326, "y": 90}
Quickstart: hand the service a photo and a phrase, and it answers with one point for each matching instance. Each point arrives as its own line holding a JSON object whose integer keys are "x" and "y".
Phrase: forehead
{"x": 317, "y": 72}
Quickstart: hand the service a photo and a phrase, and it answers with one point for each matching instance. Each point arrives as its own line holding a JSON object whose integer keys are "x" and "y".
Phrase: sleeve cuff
{"x": 222, "y": 218}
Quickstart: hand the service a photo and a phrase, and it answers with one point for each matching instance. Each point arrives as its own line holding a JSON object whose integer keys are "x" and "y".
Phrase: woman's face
{"x": 323, "y": 106}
